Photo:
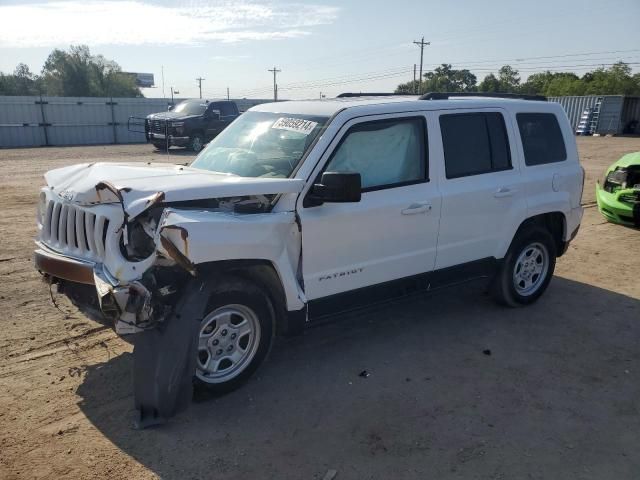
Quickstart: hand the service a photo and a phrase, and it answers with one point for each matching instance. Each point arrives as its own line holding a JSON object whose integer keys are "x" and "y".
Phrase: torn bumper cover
{"x": 164, "y": 362}
{"x": 128, "y": 306}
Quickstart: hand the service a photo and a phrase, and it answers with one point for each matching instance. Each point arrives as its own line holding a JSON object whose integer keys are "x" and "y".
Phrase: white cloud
{"x": 139, "y": 22}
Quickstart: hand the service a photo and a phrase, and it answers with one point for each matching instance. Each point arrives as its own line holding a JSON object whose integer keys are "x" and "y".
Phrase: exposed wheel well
{"x": 554, "y": 222}
{"x": 262, "y": 273}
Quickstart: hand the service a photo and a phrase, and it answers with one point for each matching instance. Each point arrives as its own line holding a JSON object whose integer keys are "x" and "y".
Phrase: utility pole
{"x": 275, "y": 85}
{"x": 176, "y": 92}
{"x": 227, "y": 93}
{"x": 162, "y": 70}
{"x": 422, "y": 44}
{"x": 414, "y": 78}
{"x": 199, "y": 80}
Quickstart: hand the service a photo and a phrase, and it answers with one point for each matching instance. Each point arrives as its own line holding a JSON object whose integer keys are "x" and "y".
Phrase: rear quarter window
{"x": 542, "y": 139}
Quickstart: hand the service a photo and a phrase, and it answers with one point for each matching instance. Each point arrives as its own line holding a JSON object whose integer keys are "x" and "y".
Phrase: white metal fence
{"x": 40, "y": 121}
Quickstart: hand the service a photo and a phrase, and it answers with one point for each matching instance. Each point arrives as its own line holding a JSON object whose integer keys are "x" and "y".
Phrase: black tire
{"x": 511, "y": 291}
{"x": 235, "y": 293}
{"x": 196, "y": 142}
{"x": 162, "y": 146}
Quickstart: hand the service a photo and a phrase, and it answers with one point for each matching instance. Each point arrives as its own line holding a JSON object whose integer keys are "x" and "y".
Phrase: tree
{"x": 616, "y": 80}
{"x": 509, "y": 79}
{"x": 553, "y": 84}
{"x": 446, "y": 79}
{"x": 442, "y": 79}
{"x": 490, "y": 84}
{"x": 22, "y": 82}
{"x": 77, "y": 73}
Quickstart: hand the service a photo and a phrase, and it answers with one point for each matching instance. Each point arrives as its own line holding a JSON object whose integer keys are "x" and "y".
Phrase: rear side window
{"x": 541, "y": 136}
{"x": 474, "y": 143}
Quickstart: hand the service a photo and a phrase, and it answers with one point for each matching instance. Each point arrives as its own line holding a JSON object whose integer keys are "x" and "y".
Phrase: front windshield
{"x": 190, "y": 107}
{"x": 261, "y": 144}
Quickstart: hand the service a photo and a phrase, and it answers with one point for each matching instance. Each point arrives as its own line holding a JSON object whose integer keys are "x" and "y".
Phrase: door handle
{"x": 415, "y": 208}
{"x": 503, "y": 192}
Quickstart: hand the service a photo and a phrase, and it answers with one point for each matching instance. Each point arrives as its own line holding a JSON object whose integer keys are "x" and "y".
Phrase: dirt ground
{"x": 557, "y": 398}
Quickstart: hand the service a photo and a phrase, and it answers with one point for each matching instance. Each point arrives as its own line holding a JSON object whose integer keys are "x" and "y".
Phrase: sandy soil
{"x": 558, "y": 397}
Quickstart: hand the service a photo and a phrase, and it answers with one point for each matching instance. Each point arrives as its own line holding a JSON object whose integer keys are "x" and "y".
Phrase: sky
{"x": 323, "y": 47}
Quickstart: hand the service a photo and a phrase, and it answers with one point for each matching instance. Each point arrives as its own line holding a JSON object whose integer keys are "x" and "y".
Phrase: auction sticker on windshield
{"x": 295, "y": 125}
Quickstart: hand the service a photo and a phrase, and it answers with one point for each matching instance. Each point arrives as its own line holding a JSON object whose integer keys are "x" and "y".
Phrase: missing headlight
{"x": 615, "y": 180}
{"x": 139, "y": 244}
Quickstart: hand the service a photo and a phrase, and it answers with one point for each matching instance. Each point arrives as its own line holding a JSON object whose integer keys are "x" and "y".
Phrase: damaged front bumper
{"x": 128, "y": 306}
{"x": 173, "y": 141}
{"x": 163, "y": 356}
{"x": 622, "y": 206}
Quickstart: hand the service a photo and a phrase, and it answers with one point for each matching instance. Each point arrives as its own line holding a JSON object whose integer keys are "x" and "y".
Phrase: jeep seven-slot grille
{"x": 75, "y": 230}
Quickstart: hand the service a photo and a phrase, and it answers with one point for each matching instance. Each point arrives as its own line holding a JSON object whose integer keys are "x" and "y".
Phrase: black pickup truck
{"x": 191, "y": 123}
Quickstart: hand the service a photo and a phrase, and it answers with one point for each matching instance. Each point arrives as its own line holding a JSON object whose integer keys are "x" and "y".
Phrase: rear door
{"x": 550, "y": 162}
{"x": 482, "y": 191}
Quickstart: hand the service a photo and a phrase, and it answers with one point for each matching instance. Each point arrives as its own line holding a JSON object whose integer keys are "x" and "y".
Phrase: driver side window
{"x": 386, "y": 153}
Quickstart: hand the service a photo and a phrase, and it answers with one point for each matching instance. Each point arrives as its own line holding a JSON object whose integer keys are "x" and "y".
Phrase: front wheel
{"x": 234, "y": 336}
{"x": 196, "y": 142}
{"x": 527, "y": 268}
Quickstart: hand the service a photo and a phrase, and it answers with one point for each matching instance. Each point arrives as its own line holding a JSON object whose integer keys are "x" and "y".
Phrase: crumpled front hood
{"x": 138, "y": 186}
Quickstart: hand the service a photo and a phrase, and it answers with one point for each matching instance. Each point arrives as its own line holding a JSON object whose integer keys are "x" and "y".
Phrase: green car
{"x": 619, "y": 195}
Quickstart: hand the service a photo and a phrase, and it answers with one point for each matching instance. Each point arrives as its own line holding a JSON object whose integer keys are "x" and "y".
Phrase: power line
{"x": 526, "y": 59}
{"x": 320, "y": 81}
{"x": 401, "y": 71}
{"x": 374, "y": 51}
{"x": 469, "y": 64}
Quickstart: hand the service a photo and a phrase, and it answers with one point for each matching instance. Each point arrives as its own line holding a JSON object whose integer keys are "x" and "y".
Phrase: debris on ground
{"x": 487, "y": 352}
{"x": 364, "y": 374}
{"x": 330, "y": 475}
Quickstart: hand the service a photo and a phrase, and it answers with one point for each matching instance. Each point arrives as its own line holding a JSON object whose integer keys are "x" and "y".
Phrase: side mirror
{"x": 337, "y": 187}
{"x": 170, "y": 107}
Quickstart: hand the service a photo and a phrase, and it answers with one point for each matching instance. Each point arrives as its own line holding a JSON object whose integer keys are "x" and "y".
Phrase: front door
{"x": 214, "y": 122}
{"x": 392, "y": 232}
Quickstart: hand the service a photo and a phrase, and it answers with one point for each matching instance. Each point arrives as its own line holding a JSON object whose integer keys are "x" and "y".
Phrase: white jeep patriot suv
{"x": 303, "y": 209}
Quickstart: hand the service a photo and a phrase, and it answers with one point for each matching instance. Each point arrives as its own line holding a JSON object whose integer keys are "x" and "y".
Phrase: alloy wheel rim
{"x": 197, "y": 144}
{"x": 530, "y": 269}
{"x": 228, "y": 340}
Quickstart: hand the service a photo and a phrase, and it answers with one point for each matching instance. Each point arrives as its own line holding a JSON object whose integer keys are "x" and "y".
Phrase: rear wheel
{"x": 234, "y": 337}
{"x": 162, "y": 146}
{"x": 527, "y": 268}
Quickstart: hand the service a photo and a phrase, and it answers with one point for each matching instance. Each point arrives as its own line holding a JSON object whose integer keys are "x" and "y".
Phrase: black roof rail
{"x": 368, "y": 94}
{"x": 447, "y": 95}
